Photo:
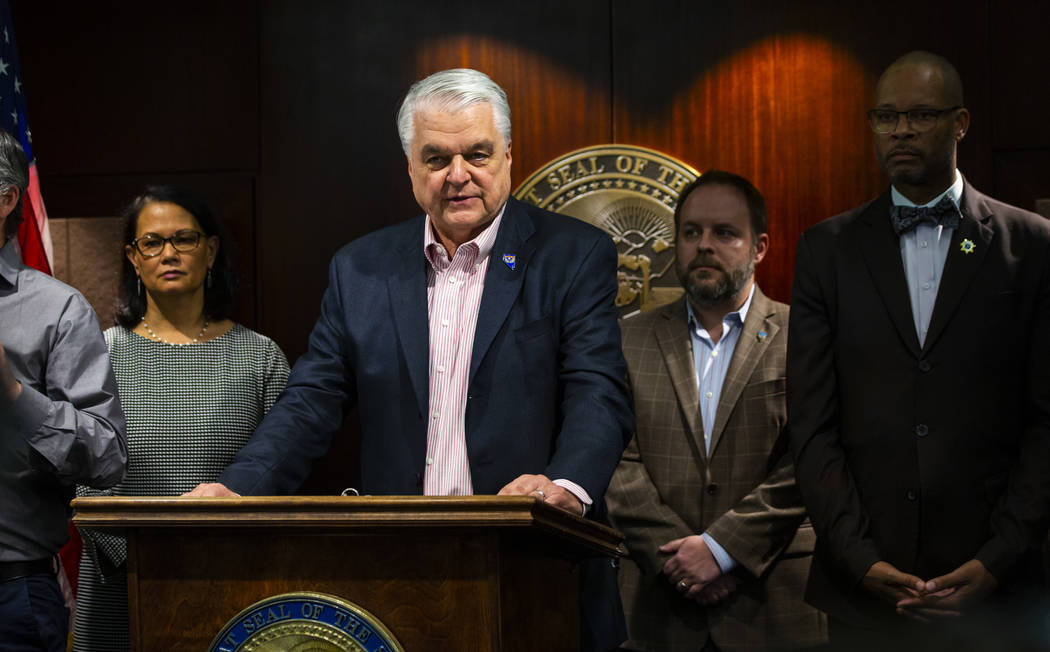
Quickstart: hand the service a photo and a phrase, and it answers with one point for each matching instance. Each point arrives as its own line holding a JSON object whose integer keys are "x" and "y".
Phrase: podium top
{"x": 348, "y": 513}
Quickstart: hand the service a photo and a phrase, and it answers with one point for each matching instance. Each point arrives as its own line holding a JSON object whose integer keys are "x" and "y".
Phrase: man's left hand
{"x": 948, "y": 595}
{"x": 211, "y": 490}
{"x": 540, "y": 486}
{"x": 718, "y": 590}
{"x": 692, "y": 567}
{"x": 10, "y": 388}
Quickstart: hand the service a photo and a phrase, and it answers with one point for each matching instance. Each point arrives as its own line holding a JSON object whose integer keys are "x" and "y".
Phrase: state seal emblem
{"x": 304, "y": 622}
{"x": 630, "y": 192}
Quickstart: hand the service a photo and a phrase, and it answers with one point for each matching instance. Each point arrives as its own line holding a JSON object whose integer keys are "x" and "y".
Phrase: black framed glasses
{"x": 151, "y": 244}
{"x": 883, "y": 121}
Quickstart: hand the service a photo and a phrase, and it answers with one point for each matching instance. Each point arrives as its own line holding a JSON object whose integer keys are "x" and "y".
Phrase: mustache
{"x": 699, "y": 262}
{"x": 905, "y": 150}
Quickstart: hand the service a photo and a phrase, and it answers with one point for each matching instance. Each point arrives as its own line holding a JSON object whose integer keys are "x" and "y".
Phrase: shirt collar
{"x": 482, "y": 243}
{"x": 731, "y": 319}
{"x": 954, "y": 191}
{"x": 10, "y": 261}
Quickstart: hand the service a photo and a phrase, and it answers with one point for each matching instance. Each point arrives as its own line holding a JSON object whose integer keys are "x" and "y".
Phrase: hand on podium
{"x": 210, "y": 490}
{"x": 541, "y": 487}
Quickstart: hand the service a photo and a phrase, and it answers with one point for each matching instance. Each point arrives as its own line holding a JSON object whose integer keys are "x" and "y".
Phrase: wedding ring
{"x": 542, "y": 495}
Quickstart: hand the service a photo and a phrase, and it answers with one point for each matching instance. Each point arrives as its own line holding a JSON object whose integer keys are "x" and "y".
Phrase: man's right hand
{"x": 210, "y": 490}
{"x": 691, "y": 567}
{"x": 948, "y": 595}
{"x": 890, "y": 584}
{"x": 10, "y": 388}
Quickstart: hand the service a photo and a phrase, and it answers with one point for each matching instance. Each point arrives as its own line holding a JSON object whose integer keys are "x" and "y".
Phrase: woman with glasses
{"x": 193, "y": 384}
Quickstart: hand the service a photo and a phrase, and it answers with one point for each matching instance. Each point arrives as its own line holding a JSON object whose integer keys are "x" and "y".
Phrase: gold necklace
{"x": 161, "y": 339}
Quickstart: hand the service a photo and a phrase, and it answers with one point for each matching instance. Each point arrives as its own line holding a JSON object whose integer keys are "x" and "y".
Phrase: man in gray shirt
{"x": 60, "y": 424}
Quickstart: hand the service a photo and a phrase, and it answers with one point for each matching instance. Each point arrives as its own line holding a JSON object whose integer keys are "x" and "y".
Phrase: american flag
{"x": 33, "y": 235}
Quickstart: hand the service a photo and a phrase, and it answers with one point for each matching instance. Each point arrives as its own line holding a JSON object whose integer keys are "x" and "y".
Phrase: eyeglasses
{"x": 151, "y": 244}
{"x": 883, "y": 121}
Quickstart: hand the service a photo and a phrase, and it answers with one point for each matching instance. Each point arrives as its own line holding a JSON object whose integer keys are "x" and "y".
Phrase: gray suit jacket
{"x": 743, "y": 493}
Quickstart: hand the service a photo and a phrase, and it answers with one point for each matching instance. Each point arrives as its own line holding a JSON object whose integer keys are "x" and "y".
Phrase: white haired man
{"x": 479, "y": 341}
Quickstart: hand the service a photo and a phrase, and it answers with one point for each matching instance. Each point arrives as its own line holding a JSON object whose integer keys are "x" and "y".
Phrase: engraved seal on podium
{"x": 305, "y": 622}
{"x": 629, "y": 192}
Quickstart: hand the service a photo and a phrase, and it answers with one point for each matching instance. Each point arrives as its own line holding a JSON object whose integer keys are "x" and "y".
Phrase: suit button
{"x": 924, "y": 366}
{"x": 712, "y": 489}
{"x": 912, "y": 495}
{"x": 921, "y": 430}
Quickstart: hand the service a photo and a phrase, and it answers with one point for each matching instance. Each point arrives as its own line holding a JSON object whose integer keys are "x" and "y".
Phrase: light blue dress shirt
{"x": 711, "y": 362}
{"x": 923, "y": 252}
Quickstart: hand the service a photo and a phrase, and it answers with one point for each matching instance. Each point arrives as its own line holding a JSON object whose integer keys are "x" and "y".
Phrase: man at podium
{"x": 478, "y": 341}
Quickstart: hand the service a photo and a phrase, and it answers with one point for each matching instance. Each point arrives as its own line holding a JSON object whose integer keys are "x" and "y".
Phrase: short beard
{"x": 728, "y": 286}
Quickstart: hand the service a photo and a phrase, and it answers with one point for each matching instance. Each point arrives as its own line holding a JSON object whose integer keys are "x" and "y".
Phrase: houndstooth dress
{"x": 189, "y": 410}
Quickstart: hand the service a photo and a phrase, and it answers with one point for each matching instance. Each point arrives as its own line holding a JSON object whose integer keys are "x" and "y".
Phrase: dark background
{"x": 282, "y": 112}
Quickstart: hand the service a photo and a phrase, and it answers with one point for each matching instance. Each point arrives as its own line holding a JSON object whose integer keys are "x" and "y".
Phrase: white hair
{"x": 452, "y": 90}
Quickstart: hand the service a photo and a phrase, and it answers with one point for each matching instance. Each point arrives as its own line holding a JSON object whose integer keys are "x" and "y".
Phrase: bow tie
{"x": 906, "y": 218}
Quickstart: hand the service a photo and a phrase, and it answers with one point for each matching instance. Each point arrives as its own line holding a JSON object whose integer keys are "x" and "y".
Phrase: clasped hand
{"x": 695, "y": 573}
{"x": 942, "y": 597}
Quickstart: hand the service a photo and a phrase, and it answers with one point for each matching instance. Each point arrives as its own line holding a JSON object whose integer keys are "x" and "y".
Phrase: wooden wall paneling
{"x": 1020, "y": 92}
{"x": 774, "y": 92}
{"x": 332, "y": 79}
{"x": 330, "y": 169}
{"x": 556, "y": 74}
{"x": 120, "y": 95}
{"x": 98, "y": 281}
{"x": 121, "y": 88}
{"x": 1020, "y": 87}
{"x": 1022, "y": 176}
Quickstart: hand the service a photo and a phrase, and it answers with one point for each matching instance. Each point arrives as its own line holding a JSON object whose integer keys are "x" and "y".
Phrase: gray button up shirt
{"x": 66, "y": 426}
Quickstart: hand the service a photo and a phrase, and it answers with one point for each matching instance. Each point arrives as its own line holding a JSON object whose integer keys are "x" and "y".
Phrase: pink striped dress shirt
{"x": 454, "y": 290}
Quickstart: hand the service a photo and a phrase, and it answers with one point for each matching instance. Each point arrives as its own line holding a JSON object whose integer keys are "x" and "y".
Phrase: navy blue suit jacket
{"x": 547, "y": 391}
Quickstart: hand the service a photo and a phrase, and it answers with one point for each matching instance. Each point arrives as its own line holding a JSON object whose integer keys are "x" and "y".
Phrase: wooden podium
{"x": 441, "y": 573}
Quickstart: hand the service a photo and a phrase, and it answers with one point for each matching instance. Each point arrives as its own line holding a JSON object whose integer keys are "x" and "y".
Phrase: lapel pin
{"x": 967, "y": 246}
{"x": 509, "y": 259}
{"x": 762, "y": 335}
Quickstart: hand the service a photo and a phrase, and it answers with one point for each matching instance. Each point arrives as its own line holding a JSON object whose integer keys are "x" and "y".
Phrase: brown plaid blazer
{"x": 743, "y": 495}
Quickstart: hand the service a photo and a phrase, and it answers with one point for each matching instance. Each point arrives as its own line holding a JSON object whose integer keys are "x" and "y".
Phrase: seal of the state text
{"x": 631, "y": 193}
{"x": 305, "y": 622}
